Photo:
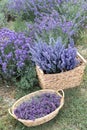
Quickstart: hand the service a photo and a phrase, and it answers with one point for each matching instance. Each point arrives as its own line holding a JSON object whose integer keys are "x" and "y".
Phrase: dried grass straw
{"x": 62, "y": 80}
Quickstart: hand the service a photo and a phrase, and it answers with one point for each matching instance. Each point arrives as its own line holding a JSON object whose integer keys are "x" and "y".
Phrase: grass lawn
{"x": 73, "y": 115}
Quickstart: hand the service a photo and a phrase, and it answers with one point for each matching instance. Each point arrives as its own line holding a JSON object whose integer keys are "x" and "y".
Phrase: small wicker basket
{"x": 41, "y": 120}
{"x": 62, "y": 80}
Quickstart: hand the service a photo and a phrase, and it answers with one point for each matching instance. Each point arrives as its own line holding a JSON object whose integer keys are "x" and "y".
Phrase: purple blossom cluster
{"x": 51, "y": 25}
{"x": 14, "y": 51}
{"x": 44, "y": 24}
{"x": 35, "y": 6}
{"x": 39, "y": 106}
{"x": 48, "y": 21}
{"x": 17, "y": 6}
{"x": 51, "y": 17}
{"x": 54, "y": 57}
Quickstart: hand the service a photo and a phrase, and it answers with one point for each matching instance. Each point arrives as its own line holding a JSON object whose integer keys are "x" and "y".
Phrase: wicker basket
{"x": 41, "y": 120}
{"x": 62, "y": 80}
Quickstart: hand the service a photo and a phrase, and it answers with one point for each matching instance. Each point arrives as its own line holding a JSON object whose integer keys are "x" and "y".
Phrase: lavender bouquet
{"x": 54, "y": 57}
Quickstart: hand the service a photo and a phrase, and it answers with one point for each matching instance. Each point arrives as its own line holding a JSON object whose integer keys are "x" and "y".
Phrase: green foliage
{"x": 28, "y": 79}
{"x": 73, "y": 10}
{"x": 2, "y": 20}
{"x": 3, "y": 6}
{"x": 22, "y": 92}
{"x": 3, "y": 10}
{"x": 2, "y": 126}
{"x": 27, "y": 16}
{"x": 81, "y": 38}
{"x": 1, "y": 98}
{"x": 19, "y": 25}
{"x": 54, "y": 33}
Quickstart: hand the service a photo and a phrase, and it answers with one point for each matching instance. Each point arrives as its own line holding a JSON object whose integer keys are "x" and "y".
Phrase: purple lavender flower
{"x": 14, "y": 51}
{"x": 36, "y": 6}
{"x": 38, "y": 106}
{"x": 54, "y": 57}
{"x": 52, "y": 17}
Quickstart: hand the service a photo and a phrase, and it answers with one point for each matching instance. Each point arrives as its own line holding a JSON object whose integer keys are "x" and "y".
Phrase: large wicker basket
{"x": 62, "y": 80}
{"x": 41, "y": 120}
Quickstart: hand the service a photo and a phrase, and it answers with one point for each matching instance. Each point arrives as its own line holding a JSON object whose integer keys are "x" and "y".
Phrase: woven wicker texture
{"x": 44, "y": 119}
{"x": 62, "y": 80}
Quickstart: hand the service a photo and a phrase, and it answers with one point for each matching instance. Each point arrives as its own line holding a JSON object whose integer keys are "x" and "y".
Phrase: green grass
{"x": 18, "y": 25}
{"x": 82, "y": 37}
{"x": 21, "y": 92}
{"x": 73, "y": 115}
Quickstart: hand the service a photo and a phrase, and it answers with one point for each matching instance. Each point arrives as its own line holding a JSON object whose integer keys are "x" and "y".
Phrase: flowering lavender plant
{"x": 35, "y": 6}
{"x": 50, "y": 25}
{"x": 54, "y": 57}
{"x": 65, "y": 20}
{"x": 39, "y": 106}
{"x": 14, "y": 52}
{"x": 71, "y": 12}
{"x": 74, "y": 14}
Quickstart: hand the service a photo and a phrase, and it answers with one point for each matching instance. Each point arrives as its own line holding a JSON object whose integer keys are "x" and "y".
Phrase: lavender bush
{"x": 14, "y": 51}
{"x": 51, "y": 25}
{"x": 54, "y": 57}
{"x": 38, "y": 106}
{"x": 15, "y": 59}
{"x": 32, "y": 6}
{"x": 64, "y": 20}
{"x": 74, "y": 14}
{"x": 57, "y": 16}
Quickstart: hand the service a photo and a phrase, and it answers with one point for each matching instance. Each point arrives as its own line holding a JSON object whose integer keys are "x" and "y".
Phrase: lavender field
{"x": 47, "y": 33}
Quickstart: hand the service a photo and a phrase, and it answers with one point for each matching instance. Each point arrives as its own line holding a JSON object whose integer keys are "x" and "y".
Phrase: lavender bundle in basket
{"x": 54, "y": 57}
{"x": 38, "y": 106}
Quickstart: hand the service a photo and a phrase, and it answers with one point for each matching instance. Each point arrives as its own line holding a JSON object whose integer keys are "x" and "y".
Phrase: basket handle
{"x": 62, "y": 92}
{"x": 10, "y": 111}
{"x": 81, "y": 57}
